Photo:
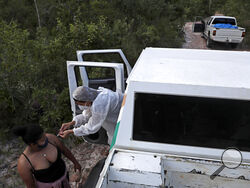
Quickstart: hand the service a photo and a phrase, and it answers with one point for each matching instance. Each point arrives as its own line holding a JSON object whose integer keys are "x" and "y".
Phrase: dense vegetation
{"x": 37, "y": 37}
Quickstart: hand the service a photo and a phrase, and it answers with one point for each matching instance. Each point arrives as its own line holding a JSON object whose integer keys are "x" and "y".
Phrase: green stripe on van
{"x": 115, "y": 135}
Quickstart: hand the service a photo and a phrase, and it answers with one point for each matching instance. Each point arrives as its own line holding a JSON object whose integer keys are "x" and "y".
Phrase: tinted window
{"x": 205, "y": 122}
{"x": 224, "y": 21}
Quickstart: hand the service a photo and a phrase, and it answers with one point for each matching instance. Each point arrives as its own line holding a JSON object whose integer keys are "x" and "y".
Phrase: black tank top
{"x": 54, "y": 172}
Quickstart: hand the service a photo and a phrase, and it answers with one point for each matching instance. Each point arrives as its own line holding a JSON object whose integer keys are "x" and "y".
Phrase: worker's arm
{"x": 82, "y": 119}
{"x": 66, "y": 126}
{"x": 77, "y": 121}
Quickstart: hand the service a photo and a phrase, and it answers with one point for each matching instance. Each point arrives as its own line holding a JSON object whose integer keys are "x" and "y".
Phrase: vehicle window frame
{"x": 210, "y": 21}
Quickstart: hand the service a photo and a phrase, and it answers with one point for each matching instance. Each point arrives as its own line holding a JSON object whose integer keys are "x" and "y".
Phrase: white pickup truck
{"x": 222, "y": 29}
{"x": 184, "y": 122}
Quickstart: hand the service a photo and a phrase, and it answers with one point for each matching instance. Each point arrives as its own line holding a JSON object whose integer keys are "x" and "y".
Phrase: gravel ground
{"x": 87, "y": 155}
{"x": 9, "y": 153}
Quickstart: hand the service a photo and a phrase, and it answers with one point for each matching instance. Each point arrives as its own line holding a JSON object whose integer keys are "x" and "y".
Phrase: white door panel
{"x": 81, "y": 53}
{"x": 119, "y": 76}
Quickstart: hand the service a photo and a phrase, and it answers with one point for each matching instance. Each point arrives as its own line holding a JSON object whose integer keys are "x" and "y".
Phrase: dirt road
{"x": 193, "y": 40}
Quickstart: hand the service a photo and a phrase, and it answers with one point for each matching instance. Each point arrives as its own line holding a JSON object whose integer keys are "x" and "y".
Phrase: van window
{"x": 192, "y": 121}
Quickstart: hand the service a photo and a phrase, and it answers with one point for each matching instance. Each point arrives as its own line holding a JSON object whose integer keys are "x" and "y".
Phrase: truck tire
{"x": 98, "y": 138}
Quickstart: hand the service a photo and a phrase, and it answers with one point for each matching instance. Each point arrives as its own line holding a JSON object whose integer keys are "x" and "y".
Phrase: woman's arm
{"x": 24, "y": 171}
{"x": 66, "y": 152}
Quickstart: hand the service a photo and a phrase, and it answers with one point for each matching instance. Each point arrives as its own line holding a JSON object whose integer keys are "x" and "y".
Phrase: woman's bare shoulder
{"x": 52, "y": 138}
{"x": 23, "y": 161}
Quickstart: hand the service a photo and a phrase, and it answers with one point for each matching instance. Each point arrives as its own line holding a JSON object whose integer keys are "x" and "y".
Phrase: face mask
{"x": 83, "y": 107}
{"x": 44, "y": 145}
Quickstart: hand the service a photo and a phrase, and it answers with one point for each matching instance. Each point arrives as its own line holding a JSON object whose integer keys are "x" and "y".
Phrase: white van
{"x": 185, "y": 121}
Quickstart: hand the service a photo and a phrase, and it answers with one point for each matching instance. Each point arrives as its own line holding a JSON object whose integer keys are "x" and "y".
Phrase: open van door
{"x": 198, "y": 25}
{"x": 94, "y": 75}
{"x": 106, "y": 82}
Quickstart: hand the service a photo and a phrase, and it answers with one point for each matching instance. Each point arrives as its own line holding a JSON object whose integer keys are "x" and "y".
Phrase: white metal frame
{"x": 119, "y": 76}
{"x": 81, "y": 53}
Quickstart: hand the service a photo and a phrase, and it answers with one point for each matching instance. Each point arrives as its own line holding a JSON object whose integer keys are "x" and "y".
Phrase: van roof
{"x": 193, "y": 67}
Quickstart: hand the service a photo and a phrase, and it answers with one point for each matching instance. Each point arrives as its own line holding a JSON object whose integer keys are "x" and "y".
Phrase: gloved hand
{"x": 64, "y": 134}
{"x": 66, "y": 126}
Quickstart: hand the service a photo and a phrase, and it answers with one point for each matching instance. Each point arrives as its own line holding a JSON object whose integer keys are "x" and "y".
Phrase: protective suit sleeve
{"x": 100, "y": 109}
{"x": 83, "y": 118}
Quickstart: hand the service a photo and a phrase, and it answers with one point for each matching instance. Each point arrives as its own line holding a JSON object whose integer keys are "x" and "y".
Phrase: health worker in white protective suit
{"x": 100, "y": 109}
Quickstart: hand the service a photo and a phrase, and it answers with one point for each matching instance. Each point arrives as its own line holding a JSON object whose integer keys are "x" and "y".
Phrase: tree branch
{"x": 38, "y": 16}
